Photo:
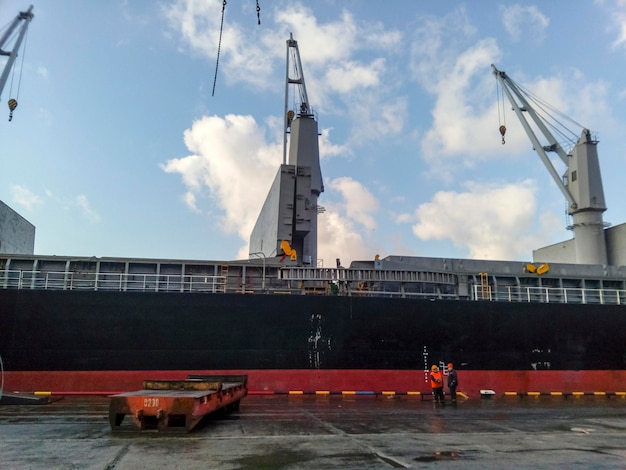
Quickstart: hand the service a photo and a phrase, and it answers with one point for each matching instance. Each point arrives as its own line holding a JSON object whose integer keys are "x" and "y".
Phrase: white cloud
{"x": 320, "y": 43}
{"x": 232, "y": 164}
{"x": 24, "y": 197}
{"x": 490, "y": 221}
{"x": 524, "y": 23}
{"x": 27, "y": 199}
{"x": 377, "y": 117}
{"x": 339, "y": 237}
{"x": 464, "y": 129}
{"x": 83, "y": 203}
{"x": 618, "y": 16}
{"x": 345, "y": 229}
{"x": 328, "y": 149}
{"x": 231, "y": 159}
{"x": 42, "y": 71}
{"x": 241, "y": 59}
{"x": 465, "y": 121}
{"x": 350, "y": 75}
{"x": 336, "y": 79}
{"x": 360, "y": 204}
{"x": 456, "y": 70}
{"x": 432, "y": 47}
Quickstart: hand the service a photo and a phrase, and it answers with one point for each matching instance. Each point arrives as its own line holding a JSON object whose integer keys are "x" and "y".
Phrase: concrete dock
{"x": 327, "y": 432}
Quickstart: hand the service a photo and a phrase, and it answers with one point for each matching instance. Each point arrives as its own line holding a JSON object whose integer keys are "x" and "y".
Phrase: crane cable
{"x": 219, "y": 44}
{"x": 501, "y": 119}
{"x": 13, "y": 101}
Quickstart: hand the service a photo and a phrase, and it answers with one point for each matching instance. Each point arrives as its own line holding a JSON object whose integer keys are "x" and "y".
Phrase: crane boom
{"x": 293, "y": 64}
{"x": 511, "y": 89}
{"x": 582, "y": 182}
{"x": 26, "y": 17}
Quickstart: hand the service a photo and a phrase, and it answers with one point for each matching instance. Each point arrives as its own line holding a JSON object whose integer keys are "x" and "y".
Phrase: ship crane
{"x": 287, "y": 224}
{"x": 581, "y": 183}
{"x": 20, "y": 23}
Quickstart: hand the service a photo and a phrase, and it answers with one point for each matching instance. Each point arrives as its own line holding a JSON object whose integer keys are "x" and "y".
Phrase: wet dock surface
{"x": 327, "y": 432}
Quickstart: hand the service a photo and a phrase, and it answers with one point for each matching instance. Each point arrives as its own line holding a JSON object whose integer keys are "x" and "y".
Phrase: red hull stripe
{"x": 332, "y": 382}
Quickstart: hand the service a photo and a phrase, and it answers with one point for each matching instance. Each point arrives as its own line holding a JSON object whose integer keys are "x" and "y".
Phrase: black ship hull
{"x": 48, "y": 332}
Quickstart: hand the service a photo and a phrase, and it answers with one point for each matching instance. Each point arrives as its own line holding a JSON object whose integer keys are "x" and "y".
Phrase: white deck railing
{"x": 562, "y": 295}
{"x": 138, "y": 282}
{"x": 51, "y": 280}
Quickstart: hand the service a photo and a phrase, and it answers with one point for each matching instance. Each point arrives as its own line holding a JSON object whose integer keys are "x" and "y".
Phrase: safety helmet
{"x": 434, "y": 367}
{"x": 450, "y": 366}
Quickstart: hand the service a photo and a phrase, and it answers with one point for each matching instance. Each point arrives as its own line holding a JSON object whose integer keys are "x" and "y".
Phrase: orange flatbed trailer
{"x": 177, "y": 405}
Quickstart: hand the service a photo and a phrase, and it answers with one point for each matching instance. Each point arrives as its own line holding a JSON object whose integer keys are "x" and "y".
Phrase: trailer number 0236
{"x": 150, "y": 402}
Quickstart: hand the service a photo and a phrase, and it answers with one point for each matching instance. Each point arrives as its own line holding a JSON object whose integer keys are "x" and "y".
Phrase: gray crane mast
{"x": 304, "y": 155}
{"x": 287, "y": 224}
{"x": 581, "y": 183}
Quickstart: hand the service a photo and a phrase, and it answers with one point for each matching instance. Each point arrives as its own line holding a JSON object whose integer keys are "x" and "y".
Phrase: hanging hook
{"x": 502, "y": 132}
{"x": 12, "y": 105}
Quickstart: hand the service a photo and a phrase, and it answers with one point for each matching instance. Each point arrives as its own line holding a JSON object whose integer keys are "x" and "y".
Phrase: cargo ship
{"x": 556, "y": 324}
{"x": 104, "y": 325}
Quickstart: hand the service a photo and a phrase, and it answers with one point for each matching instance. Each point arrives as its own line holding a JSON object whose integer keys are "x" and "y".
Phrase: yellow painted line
{"x": 322, "y": 392}
{"x": 388, "y": 393}
{"x": 599, "y": 394}
{"x": 556, "y": 394}
{"x": 578, "y": 394}
{"x": 348, "y": 392}
{"x": 461, "y": 394}
{"x": 45, "y": 394}
{"x": 296, "y": 392}
{"x": 510, "y": 394}
{"x": 413, "y": 393}
{"x": 533, "y": 394}
{"x": 621, "y": 394}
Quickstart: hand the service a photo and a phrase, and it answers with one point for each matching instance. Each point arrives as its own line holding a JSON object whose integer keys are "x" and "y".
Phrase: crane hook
{"x": 502, "y": 132}
{"x": 12, "y": 105}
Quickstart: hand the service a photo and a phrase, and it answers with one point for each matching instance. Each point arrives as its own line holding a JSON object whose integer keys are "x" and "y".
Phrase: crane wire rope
{"x": 219, "y": 47}
{"x": 13, "y": 101}
{"x": 298, "y": 77}
{"x": 548, "y": 114}
{"x": 219, "y": 43}
{"x": 500, "y": 102}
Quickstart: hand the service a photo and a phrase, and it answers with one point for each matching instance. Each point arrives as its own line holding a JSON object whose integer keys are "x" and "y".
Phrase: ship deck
{"x": 404, "y": 277}
{"x": 328, "y": 432}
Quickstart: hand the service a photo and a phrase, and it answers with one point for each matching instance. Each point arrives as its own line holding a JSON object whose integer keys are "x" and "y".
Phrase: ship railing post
{"x": 260, "y": 254}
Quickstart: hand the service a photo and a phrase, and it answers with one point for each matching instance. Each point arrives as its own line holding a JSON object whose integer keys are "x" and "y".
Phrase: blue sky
{"x": 118, "y": 148}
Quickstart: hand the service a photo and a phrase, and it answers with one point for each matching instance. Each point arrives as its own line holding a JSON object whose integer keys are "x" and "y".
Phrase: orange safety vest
{"x": 436, "y": 379}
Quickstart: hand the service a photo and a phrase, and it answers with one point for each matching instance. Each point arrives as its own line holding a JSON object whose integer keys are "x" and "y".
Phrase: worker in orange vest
{"x": 436, "y": 382}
